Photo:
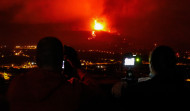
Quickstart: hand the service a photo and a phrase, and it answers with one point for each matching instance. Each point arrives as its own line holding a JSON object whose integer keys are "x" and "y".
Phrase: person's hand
{"x": 73, "y": 61}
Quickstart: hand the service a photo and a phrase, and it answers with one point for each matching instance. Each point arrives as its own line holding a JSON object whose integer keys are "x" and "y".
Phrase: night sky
{"x": 144, "y": 22}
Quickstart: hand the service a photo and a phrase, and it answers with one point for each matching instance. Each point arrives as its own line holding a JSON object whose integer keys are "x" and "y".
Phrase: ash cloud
{"x": 152, "y": 21}
{"x": 161, "y": 21}
{"x": 50, "y": 11}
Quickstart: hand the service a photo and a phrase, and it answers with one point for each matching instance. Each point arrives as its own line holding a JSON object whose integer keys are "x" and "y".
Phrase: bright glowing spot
{"x": 98, "y": 26}
{"x": 63, "y": 65}
{"x": 93, "y": 34}
{"x": 137, "y": 59}
{"x": 6, "y": 76}
{"x": 129, "y": 61}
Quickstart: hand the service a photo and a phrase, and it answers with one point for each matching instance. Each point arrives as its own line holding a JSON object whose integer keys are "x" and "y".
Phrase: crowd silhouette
{"x": 52, "y": 87}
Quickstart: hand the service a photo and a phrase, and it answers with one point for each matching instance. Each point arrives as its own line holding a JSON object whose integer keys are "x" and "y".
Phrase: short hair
{"x": 163, "y": 59}
{"x": 49, "y": 53}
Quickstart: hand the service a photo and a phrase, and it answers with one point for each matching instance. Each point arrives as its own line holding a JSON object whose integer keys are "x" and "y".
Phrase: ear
{"x": 151, "y": 68}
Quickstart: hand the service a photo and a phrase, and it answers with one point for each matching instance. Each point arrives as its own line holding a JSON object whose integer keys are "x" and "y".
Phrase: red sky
{"x": 143, "y": 21}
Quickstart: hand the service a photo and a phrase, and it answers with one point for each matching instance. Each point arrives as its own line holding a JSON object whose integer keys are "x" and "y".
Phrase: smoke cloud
{"x": 142, "y": 20}
{"x": 50, "y": 11}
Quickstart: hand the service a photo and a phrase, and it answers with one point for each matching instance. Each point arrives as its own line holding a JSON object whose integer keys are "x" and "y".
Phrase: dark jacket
{"x": 43, "y": 91}
{"x": 158, "y": 92}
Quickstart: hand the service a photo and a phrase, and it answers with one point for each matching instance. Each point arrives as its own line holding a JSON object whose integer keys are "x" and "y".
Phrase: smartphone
{"x": 63, "y": 66}
{"x": 129, "y": 61}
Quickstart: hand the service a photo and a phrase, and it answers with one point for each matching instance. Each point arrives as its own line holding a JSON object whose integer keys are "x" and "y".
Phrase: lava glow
{"x": 98, "y": 26}
{"x": 93, "y": 34}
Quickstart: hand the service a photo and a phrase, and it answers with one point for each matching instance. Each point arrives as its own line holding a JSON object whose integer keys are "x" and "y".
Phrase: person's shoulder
{"x": 20, "y": 80}
{"x": 145, "y": 83}
{"x": 73, "y": 85}
{"x": 142, "y": 84}
{"x": 16, "y": 86}
{"x": 139, "y": 89}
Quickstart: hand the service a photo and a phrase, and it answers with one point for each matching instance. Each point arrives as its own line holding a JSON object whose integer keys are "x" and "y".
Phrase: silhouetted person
{"x": 3, "y": 102}
{"x": 130, "y": 78}
{"x": 44, "y": 89}
{"x": 72, "y": 63}
{"x": 165, "y": 89}
{"x": 73, "y": 69}
{"x": 74, "y": 72}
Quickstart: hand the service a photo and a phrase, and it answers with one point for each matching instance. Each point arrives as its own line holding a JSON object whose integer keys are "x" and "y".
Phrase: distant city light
{"x": 6, "y": 76}
{"x": 26, "y": 47}
{"x": 188, "y": 80}
{"x": 177, "y": 54}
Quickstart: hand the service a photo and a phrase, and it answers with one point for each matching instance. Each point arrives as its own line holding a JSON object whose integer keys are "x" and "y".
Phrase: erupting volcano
{"x": 143, "y": 22}
{"x": 98, "y": 25}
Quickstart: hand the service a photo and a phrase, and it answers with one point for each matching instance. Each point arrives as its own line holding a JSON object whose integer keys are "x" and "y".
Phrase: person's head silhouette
{"x": 49, "y": 54}
{"x": 162, "y": 60}
{"x": 71, "y": 55}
